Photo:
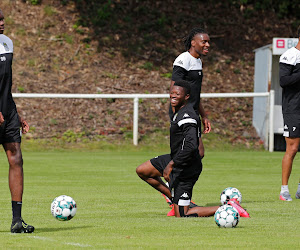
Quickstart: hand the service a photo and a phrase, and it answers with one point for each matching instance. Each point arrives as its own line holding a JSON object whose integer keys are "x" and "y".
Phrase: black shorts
{"x": 182, "y": 180}
{"x": 10, "y": 129}
{"x": 291, "y": 126}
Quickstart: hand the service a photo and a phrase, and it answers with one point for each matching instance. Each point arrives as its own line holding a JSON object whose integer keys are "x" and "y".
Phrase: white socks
{"x": 285, "y": 188}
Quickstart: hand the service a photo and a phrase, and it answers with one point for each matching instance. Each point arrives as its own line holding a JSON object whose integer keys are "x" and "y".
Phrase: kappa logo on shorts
{"x": 3, "y": 58}
{"x": 184, "y": 195}
{"x": 294, "y": 128}
{"x": 186, "y": 115}
{"x": 286, "y": 127}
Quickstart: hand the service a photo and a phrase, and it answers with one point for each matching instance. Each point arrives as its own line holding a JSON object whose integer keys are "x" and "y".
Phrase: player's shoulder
{"x": 185, "y": 60}
{"x": 182, "y": 60}
{"x": 6, "y": 44}
{"x": 187, "y": 115}
{"x": 291, "y": 56}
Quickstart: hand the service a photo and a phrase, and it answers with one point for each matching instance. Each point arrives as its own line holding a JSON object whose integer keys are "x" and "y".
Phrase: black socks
{"x": 16, "y": 210}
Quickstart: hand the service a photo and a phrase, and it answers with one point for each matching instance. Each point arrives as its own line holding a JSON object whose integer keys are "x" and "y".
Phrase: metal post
{"x": 271, "y": 120}
{"x": 135, "y": 120}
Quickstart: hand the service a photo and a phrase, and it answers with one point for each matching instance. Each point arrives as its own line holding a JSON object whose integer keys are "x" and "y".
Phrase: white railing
{"x": 136, "y": 98}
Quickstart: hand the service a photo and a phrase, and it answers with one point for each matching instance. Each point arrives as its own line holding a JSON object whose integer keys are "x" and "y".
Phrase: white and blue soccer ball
{"x": 63, "y": 208}
{"x": 230, "y": 193}
{"x": 227, "y": 216}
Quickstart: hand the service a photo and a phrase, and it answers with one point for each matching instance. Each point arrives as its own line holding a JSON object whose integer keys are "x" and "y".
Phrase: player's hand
{"x": 206, "y": 125}
{"x": 168, "y": 170}
{"x": 1, "y": 119}
{"x": 24, "y": 125}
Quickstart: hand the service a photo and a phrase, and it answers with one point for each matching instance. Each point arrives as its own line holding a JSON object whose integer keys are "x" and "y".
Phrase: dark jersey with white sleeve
{"x": 289, "y": 73}
{"x": 188, "y": 68}
{"x": 184, "y": 136}
{"x": 7, "y": 103}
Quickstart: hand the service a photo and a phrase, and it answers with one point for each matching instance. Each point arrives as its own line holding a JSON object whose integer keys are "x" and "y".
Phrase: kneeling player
{"x": 182, "y": 167}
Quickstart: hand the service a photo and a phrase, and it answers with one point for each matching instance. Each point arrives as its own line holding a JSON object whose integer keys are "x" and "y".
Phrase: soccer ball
{"x": 227, "y": 216}
{"x": 63, "y": 208}
{"x": 230, "y": 193}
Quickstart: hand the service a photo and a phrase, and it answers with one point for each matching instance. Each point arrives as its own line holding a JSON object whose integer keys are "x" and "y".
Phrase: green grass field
{"x": 117, "y": 210}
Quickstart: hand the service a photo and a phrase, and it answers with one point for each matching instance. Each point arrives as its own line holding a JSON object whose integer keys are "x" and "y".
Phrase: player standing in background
{"x": 188, "y": 66}
{"x": 10, "y": 138}
{"x": 289, "y": 72}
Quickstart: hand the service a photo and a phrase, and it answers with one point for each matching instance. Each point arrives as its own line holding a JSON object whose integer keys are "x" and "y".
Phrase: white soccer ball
{"x": 230, "y": 193}
{"x": 227, "y": 216}
{"x": 63, "y": 208}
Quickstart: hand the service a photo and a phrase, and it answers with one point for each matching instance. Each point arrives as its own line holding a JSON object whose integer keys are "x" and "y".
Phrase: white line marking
{"x": 65, "y": 243}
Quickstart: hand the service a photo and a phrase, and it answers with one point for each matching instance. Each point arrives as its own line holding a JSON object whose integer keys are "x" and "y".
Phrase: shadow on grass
{"x": 55, "y": 229}
{"x": 49, "y": 229}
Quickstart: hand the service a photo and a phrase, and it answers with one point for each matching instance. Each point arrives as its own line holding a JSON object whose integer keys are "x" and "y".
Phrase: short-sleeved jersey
{"x": 184, "y": 136}
{"x": 289, "y": 73}
{"x": 7, "y": 103}
{"x": 188, "y": 68}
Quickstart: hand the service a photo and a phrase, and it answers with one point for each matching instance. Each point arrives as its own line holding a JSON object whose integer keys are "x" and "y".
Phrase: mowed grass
{"x": 116, "y": 210}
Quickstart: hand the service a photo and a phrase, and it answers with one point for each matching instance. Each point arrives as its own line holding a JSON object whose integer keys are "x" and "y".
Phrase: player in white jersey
{"x": 10, "y": 138}
{"x": 289, "y": 72}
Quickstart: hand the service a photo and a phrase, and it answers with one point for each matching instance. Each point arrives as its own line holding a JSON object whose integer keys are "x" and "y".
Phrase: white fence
{"x": 136, "y": 98}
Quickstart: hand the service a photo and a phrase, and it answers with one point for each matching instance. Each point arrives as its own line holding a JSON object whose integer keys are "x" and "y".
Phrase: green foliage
{"x": 49, "y": 11}
{"x": 35, "y": 2}
{"x": 21, "y": 89}
{"x": 236, "y": 71}
{"x": 103, "y": 14}
{"x": 147, "y": 66}
{"x": 71, "y": 136}
{"x": 167, "y": 75}
{"x": 31, "y": 62}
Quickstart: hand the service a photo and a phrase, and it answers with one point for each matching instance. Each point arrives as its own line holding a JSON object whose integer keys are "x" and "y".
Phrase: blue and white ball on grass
{"x": 230, "y": 193}
{"x": 227, "y": 216}
{"x": 63, "y": 208}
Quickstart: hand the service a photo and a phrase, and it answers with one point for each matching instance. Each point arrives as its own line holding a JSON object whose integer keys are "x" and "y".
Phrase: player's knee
{"x": 16, "y": 162}
{"x": 141, "y": 171}
{"x": 292, "y": 150}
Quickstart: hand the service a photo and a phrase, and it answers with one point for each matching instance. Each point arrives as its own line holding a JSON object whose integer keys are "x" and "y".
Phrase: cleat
{"x": 193, "y": 204}
{"x": 21, "y": 227}
{"x": 297, "y": 195}
{"x": 285, "y": 196}
{"x": 237, "y": 206}
{"x": 170, "y": 203}
{"x": 171, "y": 212}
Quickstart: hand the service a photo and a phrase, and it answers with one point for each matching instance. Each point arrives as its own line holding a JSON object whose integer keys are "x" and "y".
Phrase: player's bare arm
{"x": 1, "y": 119}
{"x": 168, "y": 170}
{"x": 24, "y": 125}
{"x": 204, "y": 119}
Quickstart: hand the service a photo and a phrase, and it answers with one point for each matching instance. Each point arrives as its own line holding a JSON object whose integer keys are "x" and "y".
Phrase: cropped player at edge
{"x": 10, "y": 138}
{"x": 289, "y": 73}
{"x": 182, "y": 167}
